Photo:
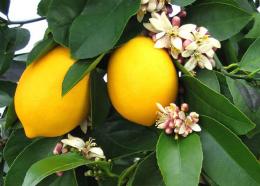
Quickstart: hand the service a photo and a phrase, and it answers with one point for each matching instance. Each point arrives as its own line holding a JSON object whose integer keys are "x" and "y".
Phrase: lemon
{"x": 139, "y": 76}
{"x": 38, "y": 98}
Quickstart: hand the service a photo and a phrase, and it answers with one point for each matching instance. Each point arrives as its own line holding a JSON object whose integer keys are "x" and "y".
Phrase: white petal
{"x": 202, "y": 31}
{"x": 182, "y": 129}
{"x": 150, "y": 27}
{"x": 152, "y": 5}
{"x": 155, "y": 15}
{"x": 204, "y": 48}
{"x": 186, "y": 35}
{"x": 166, "y": 24}
{"x": 187, "y": 53}
{"x": 156, "y": 23}
{"x": 182, "y": 115}
{"x": 96, "y": 152}
{"x": 191, "y": 64}
{"x": 161, "y": 108}
{"x": 206, "y": 62}
{"x": 74, "y": 142}
{"x": 210, "y": 53}
{"x": 195, "y": 127}
{"x": 163, "y": 42}
{"x": 214, "y": 42}
{"x": 188, "y": 27}
{"x": 144, "y": 1}
{"x": 160, "y": 5}
{"x": 192, "y": 46}
{"x": 159, "y": 35}
{"x": 174, "y": 54}
{"x": 177, "y": 43}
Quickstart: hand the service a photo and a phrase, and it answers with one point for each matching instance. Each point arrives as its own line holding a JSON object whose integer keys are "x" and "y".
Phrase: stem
{"x": 182, "y": 68}
{"x": 26, "y": 21}
{"x": 231, "y": 66}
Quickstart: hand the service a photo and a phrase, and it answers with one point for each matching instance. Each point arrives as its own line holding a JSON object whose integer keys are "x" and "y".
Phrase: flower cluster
{"x": 150, "y": 6}
{"x": 175, "y": 120}
{"x": 89, "y": 148}
{"x": 186, "y": 43}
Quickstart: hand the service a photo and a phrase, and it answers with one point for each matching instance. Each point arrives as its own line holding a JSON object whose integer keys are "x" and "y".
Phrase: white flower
{"x": 168, "y": 35}
{"x": 197, "y": 58}
{"x": 96, "y": 152}
{"x": 75, "y": 142}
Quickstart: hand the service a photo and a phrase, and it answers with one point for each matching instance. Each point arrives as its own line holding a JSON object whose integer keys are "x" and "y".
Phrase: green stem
{"x": 236, "y": 70}
{"x": 231, "y": 66}
{"x": 252, "y": 74}
{"x": 182, "y": 68}
{"x": 26, "y": 21}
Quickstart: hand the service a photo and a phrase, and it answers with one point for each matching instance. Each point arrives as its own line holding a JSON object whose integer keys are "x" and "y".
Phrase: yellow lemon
{"x": 38, "y": 98}
{"x": 139, "y": 76}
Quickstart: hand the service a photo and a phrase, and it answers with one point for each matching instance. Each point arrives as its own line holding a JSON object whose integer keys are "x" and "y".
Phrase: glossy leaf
{"x": 60, "y": 19}
{"x": 67, "y": 179}
{"x": 222, "y": 20}
{"x": 206, "y": 101}
{"x": 15, "y": 144}
{"x": 251, "y": 59}
{"x": 147, "y": 173}
{"x": 45, "y": 167}
{"x": 255, "y": 31}
{"x": 182, "y": 2}
{"x": 43, "y": 7}
{"x": 34, "y": 152}
{"x": 10, "y": 117}
{"x": 100, "y": 104}
{"x": 209, "y": 78}
{"x": 225, "y": 154}
{"x": 42, "y": 48}
{"x": 99, "y": 26}
{"x": 77, "y": 71}
{"x": 180, "y": 161}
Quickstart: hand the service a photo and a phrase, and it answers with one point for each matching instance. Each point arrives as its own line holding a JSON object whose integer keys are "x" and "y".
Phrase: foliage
{"x": 227, "y": 98}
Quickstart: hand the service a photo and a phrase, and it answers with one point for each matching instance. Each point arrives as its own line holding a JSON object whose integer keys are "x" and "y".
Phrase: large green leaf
{"x": 206, "y": 101}
{"x": 182, "y": 2}
{"x": 251, "y": 59}
{"x": 247, "y": 99}
{"x": 42, "y": 48}
{"x": 100, "y": 104}
{"x": 227, "y": 161}
{"x": 180, "y": 161}
{"x": 78, "y": 71}
{"x": 118, "y": 137}
{"x": 34, "y": 152}
{"x": 60, "y": 16}
{"x": 209, "y": 78}
{"x": 147, "y": 173}
{"x": 223, "y": 20}
{"x": 255, "y": 31}
{"x": 15, "y": 144}
{"x": 67, "y": 179}
{"x": 43, "y": 7}
{"x": 50, "y": 165}
{"x": 7, "y": 90}
{"x": 99, "y": 26}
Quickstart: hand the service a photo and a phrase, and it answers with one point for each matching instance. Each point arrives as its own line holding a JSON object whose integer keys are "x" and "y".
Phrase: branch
{"x": 26, "y": 21}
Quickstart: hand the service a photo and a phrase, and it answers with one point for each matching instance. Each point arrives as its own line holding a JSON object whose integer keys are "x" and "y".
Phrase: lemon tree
{"x": 132, "y": 93}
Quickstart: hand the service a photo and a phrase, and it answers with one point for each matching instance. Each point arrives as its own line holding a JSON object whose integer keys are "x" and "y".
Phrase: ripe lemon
{"x": 139, "y": 76}
{"x": 38, "y": 98}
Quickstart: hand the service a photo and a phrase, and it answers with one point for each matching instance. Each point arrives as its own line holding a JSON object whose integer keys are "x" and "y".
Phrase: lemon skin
{"x": 139, "y": 76}
{"x": 39, "y": 103}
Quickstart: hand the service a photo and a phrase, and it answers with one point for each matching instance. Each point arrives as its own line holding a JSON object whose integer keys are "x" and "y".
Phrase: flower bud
{"x": 185, "y": 107}
{"x": 168, "y": 130}
{"x": 182, "y": 14}
{"x": 176, "y": 21}
{"x": 57, "y": 149}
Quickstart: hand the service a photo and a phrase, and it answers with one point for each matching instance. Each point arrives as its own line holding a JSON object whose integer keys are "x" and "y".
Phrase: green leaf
{"x": 43, "y": 7}
{"x": 180, "y": 161}
{"x": 61, "y": 18}
{"x": 34, "y": 152}
{"x": 7, "y": 90}
{"x": 4, "y": 6}
{"x": 100, "y": 104}
{"x": 255, "y": 31}
{"x": 15, "y": 144}
{"x": 67, "y": 179}
{"x": 253, "y": 143}
{"x": 42, "y": 48}
{"x": 50, "y": 165}
{"x": 206, "y": 101}
{"x": 209, "y": 78}
{"x": 225, "y": 154}
{"x": 78, "y": 71}
{"x": 99, "y": 26}
{"x": 222, "y": 20}
{"x": 125, "y": 174}
{"x": 147, "y": 173}
{"x": 119, "y": 137}
{"x": 247, "y": 99}
{"x": 10, "y": 117}
{"x": 251, "y": 59}
{"x": 182, "y": 2}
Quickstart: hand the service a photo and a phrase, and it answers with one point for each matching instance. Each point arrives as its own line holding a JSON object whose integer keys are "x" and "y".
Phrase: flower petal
{"x": 96, "y": 152}
{"x": 191, "y": 64}
{"x": 152, "y": 5}
{"x": 214, "y": 42}
{"x": 150, "y": 27}
{"x": 182, "y": 129}
{"x": 195, "y": 127}
{"x": 177, "y": 43}
{"x": 166, "y": 24}
{"x": 206, "y": 62}
{"x": 204, "y": 48}
{"x": 156, "y": 23}
{"x": 74, "y": 142}
{"x": 192, "y": 46}
{"x": 187, "y": 53}
{"x": 202, "y": 31}
{"x": 210, "y": 53}
{"x": 163, "y": 42}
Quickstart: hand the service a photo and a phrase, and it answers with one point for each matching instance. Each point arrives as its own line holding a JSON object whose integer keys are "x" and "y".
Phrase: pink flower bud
{"x": 182, "y": 14}
{"x": 57, "y": 149}
{"x": 176, "y": 21}
{"x": 168, "y": 130}
{"x": 171, "y": 124}
{"x": 185, "y": 107}
{"x": 178, "y": 122}
{"x": 59, "y": 174}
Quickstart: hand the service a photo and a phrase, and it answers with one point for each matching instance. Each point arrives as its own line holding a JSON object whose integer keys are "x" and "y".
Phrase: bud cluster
{"x": 177, "y": 121}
